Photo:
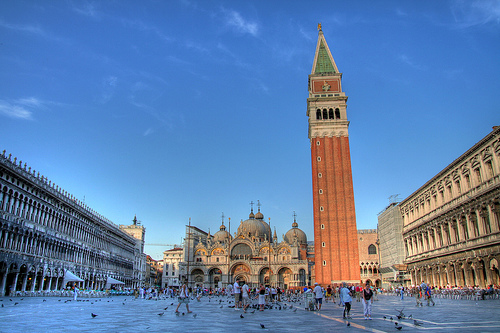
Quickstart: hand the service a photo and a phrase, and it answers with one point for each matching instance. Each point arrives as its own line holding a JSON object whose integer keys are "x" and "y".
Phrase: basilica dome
{"x": 295, "y": 232}
{"x": 253, "y": 227}
{"x": 222, "y": 235}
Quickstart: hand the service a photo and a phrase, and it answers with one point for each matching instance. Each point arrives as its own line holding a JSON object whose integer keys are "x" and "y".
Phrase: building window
{"x": 330, "y": 114}
{"x": 320, "y": 191}
{"x": 318, "y": 114}
{"x": 317, "y": 143}
{"x": 324, "y": 262}
{"x": 319, "y": 158}
{"x": 217, "y": 259}
{"x": 322, "y": 226}
{"x": 323, "y": 244}
{"x": 337, "y": 113}
{"x": 320, "y": 175}
{"x": 321, "y": 208}
{"x": 372, "y": 249}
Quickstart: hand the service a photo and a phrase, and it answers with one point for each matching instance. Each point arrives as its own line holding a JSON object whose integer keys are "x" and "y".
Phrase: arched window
{"x": 337, "y": 113}
{"x": 325, "y": 114}
{"x": 318, "y": 114}
{"x": 330, "y": 114}
{"x": 372, "y": 249}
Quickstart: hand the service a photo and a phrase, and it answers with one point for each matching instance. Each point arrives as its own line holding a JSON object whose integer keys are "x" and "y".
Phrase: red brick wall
{"x": 338, "y": 217}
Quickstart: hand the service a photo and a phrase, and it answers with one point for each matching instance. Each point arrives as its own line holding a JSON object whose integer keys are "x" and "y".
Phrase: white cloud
{"x": 476, "y": 12}
{"x": 30, "y": 29}
{"x": 86, "y": 9}
{"x": 108, "y": 88}
{"x": 235, "y": 19}
{"x": 15, "y": 110}
{"x": 403, "y": 58}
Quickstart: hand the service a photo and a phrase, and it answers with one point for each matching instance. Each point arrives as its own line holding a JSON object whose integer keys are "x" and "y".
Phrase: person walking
{"x": 237, "y": 294}
{"x": 75, "y": 292}
{"x": 245, "y": 296}
{"x": 183, "y": 298}
{"x": 429, "y": 296}
{"x": 367, "y": 295}
{"x": 418, "y": 296}
{"x": 318, "y": 295}
{"x": 262, "y": 297}
{"x": 346, "y": 299}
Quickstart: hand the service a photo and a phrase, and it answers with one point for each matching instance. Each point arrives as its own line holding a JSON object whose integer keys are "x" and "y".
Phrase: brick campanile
{"x": 335, "y": 232}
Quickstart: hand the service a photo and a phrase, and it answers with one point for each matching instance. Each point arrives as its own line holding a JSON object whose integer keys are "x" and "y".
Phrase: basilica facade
{"x": 253, "y": 254}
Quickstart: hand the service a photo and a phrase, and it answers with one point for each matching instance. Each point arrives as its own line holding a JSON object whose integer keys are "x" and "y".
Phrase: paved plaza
{"x": 126, "y": 314}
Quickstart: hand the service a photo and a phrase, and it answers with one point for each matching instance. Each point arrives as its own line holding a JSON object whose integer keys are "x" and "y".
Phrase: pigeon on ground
{"x": 399, "y": 328}
{"x": 295, "y": 310}
{"x": 195, "y": 315}
{"x": 177, "y": 313}
{"x": 161, "y": 314}
{"x": 385, "y": 317}
{"x": 93, "y": 315}
{"x": 221, "y": 306}
{"x": 410, "y": 316}
{"x": 262, "y": 326}
{"x": 390, "y": 318}
{"x": 253, "y": 311}
{"x": 241, "y": 316}
{"x": 166, "y": 308}
{"x": 417, "y": 323}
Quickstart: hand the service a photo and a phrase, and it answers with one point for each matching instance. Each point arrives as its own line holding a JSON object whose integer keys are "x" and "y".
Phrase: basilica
{"x": 253, "y": 254}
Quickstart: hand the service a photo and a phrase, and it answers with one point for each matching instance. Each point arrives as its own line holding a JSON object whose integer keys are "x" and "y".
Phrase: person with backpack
{"x": 429, "y": 297}
{"x": 367, "y": 295}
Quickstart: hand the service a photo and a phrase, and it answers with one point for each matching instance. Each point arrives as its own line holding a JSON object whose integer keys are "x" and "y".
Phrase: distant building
{"x": 391, "y": 247}
{"x": 171, "y": 262}
{"x": 451, "y": 225}
{"x": 369, "y": 257}
{"x": 137, "y": 231}
{"x": 151, "y": 276}
{"x": 49, "y": 239}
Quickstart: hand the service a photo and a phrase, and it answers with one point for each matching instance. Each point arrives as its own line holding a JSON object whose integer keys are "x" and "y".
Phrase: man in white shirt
{"x": 237, "y": 294}
{"x": 318, "y": 295}
{"x": 245, "y": 296}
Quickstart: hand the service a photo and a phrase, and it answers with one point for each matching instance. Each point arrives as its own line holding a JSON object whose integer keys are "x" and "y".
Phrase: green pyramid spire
{"x": 323, "y": 63}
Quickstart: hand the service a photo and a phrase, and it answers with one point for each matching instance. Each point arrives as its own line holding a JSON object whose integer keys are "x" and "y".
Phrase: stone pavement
{"x": 125, "y": 314}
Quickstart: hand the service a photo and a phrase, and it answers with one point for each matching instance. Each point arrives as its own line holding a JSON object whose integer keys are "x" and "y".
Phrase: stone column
{"x": 478, "y": 269}
{"x": 481, "y": 226}
{"x": 493, "y": 213}
{"x": 14, "y": 284}
{"x": 2, "y": 283}
{"x": 25, "y": 281}
{"x": 470, "y": 227}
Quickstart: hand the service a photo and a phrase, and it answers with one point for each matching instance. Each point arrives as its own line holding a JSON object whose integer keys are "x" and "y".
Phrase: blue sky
{"x": 186, "y": 109}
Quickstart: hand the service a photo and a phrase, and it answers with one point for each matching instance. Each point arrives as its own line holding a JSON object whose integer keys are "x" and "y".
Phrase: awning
{"x": 110, "y": 280}
{"x": 69, "y": 276}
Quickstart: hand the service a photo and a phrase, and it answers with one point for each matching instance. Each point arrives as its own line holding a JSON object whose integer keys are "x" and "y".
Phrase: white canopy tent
{"x": 70, "y": 277}
{"x": 111, "y": 281}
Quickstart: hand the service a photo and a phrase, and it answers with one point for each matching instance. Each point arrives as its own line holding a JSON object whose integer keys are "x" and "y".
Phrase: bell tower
{"x": 335, "y": 232}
